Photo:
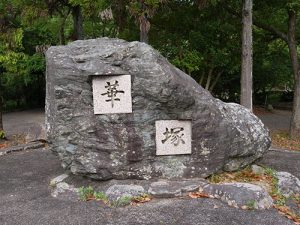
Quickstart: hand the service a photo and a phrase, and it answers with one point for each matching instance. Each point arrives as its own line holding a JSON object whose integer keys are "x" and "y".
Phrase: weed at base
{"x": 88, "y": 194}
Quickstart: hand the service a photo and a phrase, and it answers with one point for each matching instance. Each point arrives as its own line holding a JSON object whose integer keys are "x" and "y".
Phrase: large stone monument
{"x": 119, "y": 110}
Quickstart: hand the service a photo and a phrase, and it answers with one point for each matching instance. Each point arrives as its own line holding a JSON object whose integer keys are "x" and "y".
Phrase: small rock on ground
{"x": 169, "y": 189}
{"x": 117, "y": 192}
{"x": 242, "y": 195}
{"x": 257, "y": 169}
{"x": 68, "y": 191}
{"x": 58, "y": 179}
{"x": 288, "y": 184}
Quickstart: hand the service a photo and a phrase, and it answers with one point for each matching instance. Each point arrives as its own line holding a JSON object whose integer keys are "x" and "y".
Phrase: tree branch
{"x": 272, "y": 30}
{"x": 258, "y": 24}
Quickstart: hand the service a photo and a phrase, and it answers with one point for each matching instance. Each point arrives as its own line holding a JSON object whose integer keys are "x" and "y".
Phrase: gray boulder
{"x": 288, "y": 184}
{"x": 225, "y": 136}
{"x": 257, "y": 169}
{"x": 170, "y": 189}
{"x": 242, "y": 195}
{"x": 116, "y": 192}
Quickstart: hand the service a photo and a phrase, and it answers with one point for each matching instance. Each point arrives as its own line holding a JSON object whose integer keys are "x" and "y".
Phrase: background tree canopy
{"x": 203, "y": 38}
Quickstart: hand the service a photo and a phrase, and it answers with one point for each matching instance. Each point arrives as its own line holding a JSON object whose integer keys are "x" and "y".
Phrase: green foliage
{"x": 293, "y": 5}
{"x": 123, "y": 201}
{"x": 126, "y": 200}
{"x": 189, "y": 61}
{"x": 297, "y": 198}
{"x": 251, "y": 204}
{"x": 2, "y": 134}
{"x": 206, "y": 44}
{"x": 199, "y": 37}
{"x": 10, "y": 105}
{"x": 86, "y": 193}
{"x": 137, "y": 8}
{"x": 215, "y": 178}
{"x": 21, "y": 69}
{"x": 280, "y": 200}
{"x": 101, "y": 196}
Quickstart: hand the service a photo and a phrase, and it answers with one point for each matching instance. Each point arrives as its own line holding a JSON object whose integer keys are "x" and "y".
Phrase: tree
{"x": 77, "y": 22}
{"x": 295, "y": 121}
{"x": 274, "y": 24}
{"x": 58, "y": 6}
{"x": 292, "y": 8}
{"x": 120, "y": 13}
{"x": 246, "y": 75}
{"x": 204, "y": 47}
{"x": 1, "y": 105}
{"x": 63, "y": 8}
{"x": 7, "y": 25}
{"x": 20, "y": 67}
{"x": 142, "y": 11}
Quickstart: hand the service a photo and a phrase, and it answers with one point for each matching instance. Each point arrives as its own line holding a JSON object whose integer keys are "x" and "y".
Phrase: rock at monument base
{"x": 58, "y": 179}
{"x": 170, "y": 189}
{"x": 257, "y": 169}
{"x": 288, "y": 184}
{"x": 122, "y": 145}
{"x": 240, "y": 195}
{"x": 64, "y": 190}
{"x": 116, "y": 192}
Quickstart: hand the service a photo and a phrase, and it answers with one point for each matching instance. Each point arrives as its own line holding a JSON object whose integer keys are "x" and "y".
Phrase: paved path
{"x": 287, "y": 161}
{"x": 31, "y": 123}
{"x": 25, "y": 193}
{"x": 25, "y": 200}
{"x": 278, "y": 120}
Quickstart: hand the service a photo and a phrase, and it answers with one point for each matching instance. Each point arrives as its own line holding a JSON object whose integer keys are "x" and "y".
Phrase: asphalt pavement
{"x": 25, "y": 200}
{"x": 30, "y": 123}
{"x": 277, "y": 120}
{"x": 25, "y": 194}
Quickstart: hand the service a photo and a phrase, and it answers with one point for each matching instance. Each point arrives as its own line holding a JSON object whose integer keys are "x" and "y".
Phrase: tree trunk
{"x": 295, "y": 121}
{"x": 1, "y": 109}
{"x": 246, "y": 76}
{"x": 144, "y": 24}
{"x": 77, "y": 22}
{"x": 144, "y": 29}
{"x": 62, "y": 38}
{"x": 209, "y": 79}
{"x": 120, "y": 12}
{"x": 202, "y": 78}
{"x": 215, "y": 81}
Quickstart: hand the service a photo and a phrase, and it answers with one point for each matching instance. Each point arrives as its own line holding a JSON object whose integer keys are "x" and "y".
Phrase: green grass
{"x": 88, "y": 193}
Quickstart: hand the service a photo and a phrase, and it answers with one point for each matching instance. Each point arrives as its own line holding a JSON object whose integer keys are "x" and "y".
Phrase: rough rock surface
{"x": 170, "y": 189}
{"x": 58, "y": 179}
{"x": 64, "y": 189}
{"x": 288, "y": 184}
{"x": 240, "y": 195}
{"x": 122, "y": 146}
{"x": 257, "y": 169}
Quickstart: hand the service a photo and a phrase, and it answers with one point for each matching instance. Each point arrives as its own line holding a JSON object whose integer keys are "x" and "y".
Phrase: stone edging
{"x": 23, "y": 147}
{"x": 282, "y": 150}
{"x": 239, "y": 195}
